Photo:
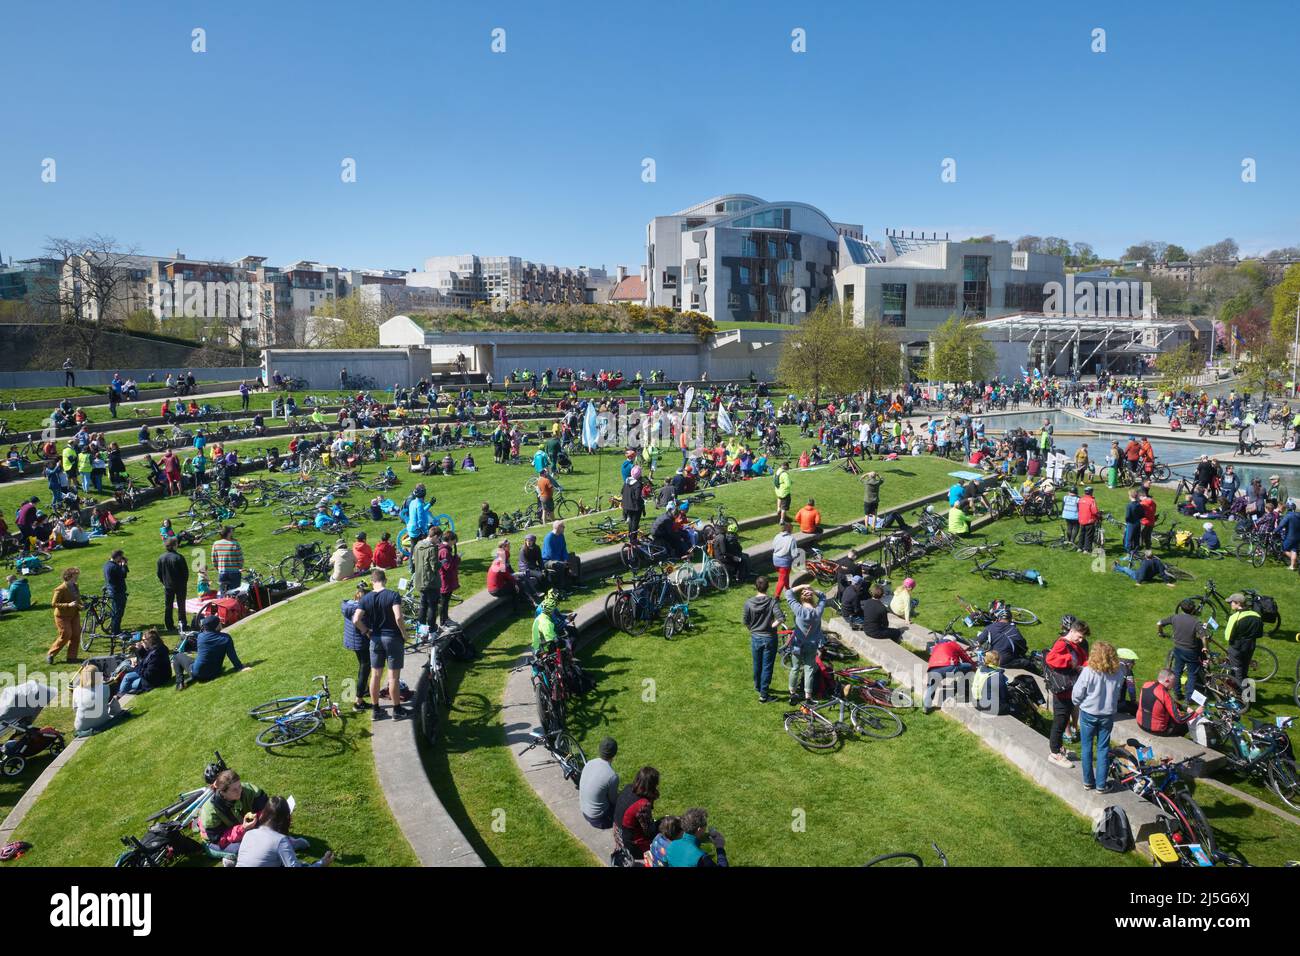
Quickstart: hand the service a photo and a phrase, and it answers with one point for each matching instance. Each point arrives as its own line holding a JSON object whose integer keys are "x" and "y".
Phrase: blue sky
{"x": 537, "y": 151}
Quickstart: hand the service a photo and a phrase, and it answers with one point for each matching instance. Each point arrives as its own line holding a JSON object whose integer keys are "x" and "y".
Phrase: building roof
{"x": 631, "y": 289}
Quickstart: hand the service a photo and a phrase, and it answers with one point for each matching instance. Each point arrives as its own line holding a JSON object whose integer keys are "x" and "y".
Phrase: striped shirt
{"x": 227, "y": 555}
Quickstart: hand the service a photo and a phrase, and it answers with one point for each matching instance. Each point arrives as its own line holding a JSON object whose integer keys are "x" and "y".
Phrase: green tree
{"x": 1285, "y": 296}
{"x": 819, "y": 354}
{"x": 873, "y": 353}
{"x": 1175, "y": 253}
{"x": 355, "y": 325}
{"x": 1266, "y": 363}
{"x": 960, "y": 353}
{"x": 1180, "y": 364}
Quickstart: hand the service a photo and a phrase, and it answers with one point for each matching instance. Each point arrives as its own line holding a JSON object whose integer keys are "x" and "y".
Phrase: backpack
{"x": 171, "y": 837}
{"x": 1029, "y": 687}
{"x": 1266, "y": 607}
{"x": 1112, "y": 830}
{"x": 458, "y": 647}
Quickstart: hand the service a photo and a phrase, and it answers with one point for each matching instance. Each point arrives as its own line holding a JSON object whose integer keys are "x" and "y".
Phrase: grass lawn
{"x": 1125, "y": 614}
{"x": 47, "y": 392}
{"x": 127, "y": 772}
{"x": 25, "y": 637}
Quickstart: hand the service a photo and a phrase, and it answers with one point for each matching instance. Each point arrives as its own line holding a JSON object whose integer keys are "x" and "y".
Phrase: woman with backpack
{"x": 1064, "y": 662}
{"x": 1096, "y": 693}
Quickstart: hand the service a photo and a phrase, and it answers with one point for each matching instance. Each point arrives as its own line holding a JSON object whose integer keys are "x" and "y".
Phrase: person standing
{"x": 426, "y": 579}
{"x": 243, "y": 395}
{"x": 807, "y": 606}
{"x": 66, "y": 602}
{"x": 633, "y": 502}
{"x": 1244, "y": 628}
{"x": 1148, "y": 520}
{"x": 1088, "y": 517}
{"x": 448, "y": 575}
{"x": 871, "y": 482}
{"x": 379, "y": 618}
{"x": 358, "y": 645}
{"x": 228, "y": 558}
{"x": 1132, "y": 523}
{"x": 784, "y": 547}
{"x": 1189, "y": 639}
{"x": 69, "y": 377}
{"x": 174, "y": 575}
{"x": 783, "y": 491}
{"x": 762, "y": 617}
{"x": 598, "y": 787}
{"x": 545, "y": 495}
{"x": 115, "y": 572}
{"x": 1070, "y": 514}
{"x": 1064, "y": 662}
{"x": 1096, "y": 694}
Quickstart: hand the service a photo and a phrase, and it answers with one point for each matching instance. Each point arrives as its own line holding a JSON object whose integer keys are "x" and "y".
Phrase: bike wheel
{"x": 1160, "y": 473}
{"x": 430, "y": 723}
{"x": 717, "y": 577}
{"x": 545, "y": 708}
{"x": 289, "y": 731}
{"x": 1282, "y": 778}
{"x": 965, "y": 554}
{"x": 1023, "y": 616}
{"x": 637, "y": 618}
{"x": 811, "y": 732}
{"x": 612, "y": 610}
{"x": 1263, "y": 664}
{"x": 633, "y": 557}
{"x": 674, "y": 624}
{"x": 688, "y": 585}
{"x": 572, "y": 760}
{"x": 873, "y": 721}
{"x": 1195, "y": 816}
{"x": 564, "y": 508}
{"x": 272, "y": 708}
{"x": 895, "y": 859}
{"x": 1028, "y": 537}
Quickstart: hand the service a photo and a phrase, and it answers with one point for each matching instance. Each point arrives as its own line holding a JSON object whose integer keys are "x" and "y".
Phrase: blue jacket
{"x": 418, "y": 518}
{"x": 352, "y": 639}
{"x": 213, "y": 649}
{"x": 1070, "y": 508}
{"x": 554, "y": 547}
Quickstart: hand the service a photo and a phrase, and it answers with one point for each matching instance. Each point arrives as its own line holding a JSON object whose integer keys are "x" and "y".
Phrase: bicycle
{"x": 989, "y": 573}
{"x": 564, "y": 748}
{"x": 306, "y": 563}
{"x": 690, "y": 581}
{"x": 815, "y": 731}
{"x": 872, "y": 690}
{"x": 981, "y": 618}
{"x": 677, "y": 620}
{"x": 294, "y": 718}
{"x": 905, "y": 859}
{"x": 826, "y": 572}
{"x": 1260, "y": 750}
{"x": 641, "y": 553}
{"x": 1161, "y": 784}
{"x": 978, "y": 551}
{"x": 437, "y": 698}
{"x": 632, "y": 610}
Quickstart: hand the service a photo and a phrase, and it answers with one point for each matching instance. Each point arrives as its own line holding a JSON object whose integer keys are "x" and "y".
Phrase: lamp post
{"x": 1295, "y": 346}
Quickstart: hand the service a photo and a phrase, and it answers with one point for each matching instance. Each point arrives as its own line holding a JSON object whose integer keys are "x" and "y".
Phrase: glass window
{"x": 747, "y": 247}
{"x": 936, "y": 295}
{"x": 773, "y": 249}
{"x": 893, "y": 303}
{"x": 785, "y": 272}
{"x": 744, "y": 275}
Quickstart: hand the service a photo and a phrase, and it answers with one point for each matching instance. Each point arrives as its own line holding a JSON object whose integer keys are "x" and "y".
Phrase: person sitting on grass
{"x": 1151, "y": 569}
{"x": 686, "y": 851}
{"x": 633, "y": 815}
{"x": 230, "y": 811}
{"x": 385, "y": 556}
{"x": 150, "y": 666}
{"x": 343, "y": 563}
{"x": 959, "y": 519}
{"x": 670, "y": 829}
{"x": 267, "y": 841}
{"x": 213, "y": 647}
{"x": 17, "y": 595}
{"x": 1209, "y": 537}
{"x": 93, "y": 705}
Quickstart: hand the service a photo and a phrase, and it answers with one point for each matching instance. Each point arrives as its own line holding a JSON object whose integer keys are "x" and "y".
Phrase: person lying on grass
{"x": 1151, "y": 569}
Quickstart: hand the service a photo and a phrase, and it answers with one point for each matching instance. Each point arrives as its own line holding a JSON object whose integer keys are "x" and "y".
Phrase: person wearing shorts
{"x": 379, "y": 619}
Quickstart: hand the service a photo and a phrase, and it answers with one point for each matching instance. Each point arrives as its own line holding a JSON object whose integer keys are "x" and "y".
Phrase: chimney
{"x": 622, "y": 273}
{"x": 180, "y": 256}
{"x": 645, "y": 273}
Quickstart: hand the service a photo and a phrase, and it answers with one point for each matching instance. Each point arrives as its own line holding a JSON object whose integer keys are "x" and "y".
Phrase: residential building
{"x": 627, "y": 290}
{"x": 737, "y": 257}
{"x": 1195, "y": 273}
{"x": 469, "y": 279}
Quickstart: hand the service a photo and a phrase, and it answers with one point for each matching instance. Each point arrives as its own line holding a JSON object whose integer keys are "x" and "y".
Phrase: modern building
{"x": 920, "y": 281}
{"x": 740, "y": 258}
{"x": 26, "y": 277}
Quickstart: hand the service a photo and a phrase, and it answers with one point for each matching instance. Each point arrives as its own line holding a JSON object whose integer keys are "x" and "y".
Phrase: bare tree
{"x": 92, "y": 298}
{"x": 1029, "y": 244}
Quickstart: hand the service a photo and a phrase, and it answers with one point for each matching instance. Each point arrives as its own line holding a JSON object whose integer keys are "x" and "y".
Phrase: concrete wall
{"x": 104, "y": 376}
{"x": 320, "y": 367}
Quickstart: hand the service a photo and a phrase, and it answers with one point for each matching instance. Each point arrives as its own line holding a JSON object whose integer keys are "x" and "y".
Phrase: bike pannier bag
{"x": 228, "y": 609}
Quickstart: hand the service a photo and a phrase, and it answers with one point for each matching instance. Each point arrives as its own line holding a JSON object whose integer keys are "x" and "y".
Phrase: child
{"x": 204, "y": 587}
{"x": 1209, "y": 539}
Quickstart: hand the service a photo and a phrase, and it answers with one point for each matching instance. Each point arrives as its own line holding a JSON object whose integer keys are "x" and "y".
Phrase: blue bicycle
{"x": 677, "y": 620}
{"x": 293, "y": 718}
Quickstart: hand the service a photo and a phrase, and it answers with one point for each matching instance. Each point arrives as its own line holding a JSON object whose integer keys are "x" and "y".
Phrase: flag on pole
{"x": 724, "y": 421}
{"x": 590, "y": 427}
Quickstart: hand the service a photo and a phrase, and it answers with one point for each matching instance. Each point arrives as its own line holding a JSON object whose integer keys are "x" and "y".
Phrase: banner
{"x": 590, "y": 427}
{"x": 724, "y": 421}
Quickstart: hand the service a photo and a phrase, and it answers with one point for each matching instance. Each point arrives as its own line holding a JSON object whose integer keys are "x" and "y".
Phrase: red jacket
{"x": 1157, "y": 711}
{"x": 385, "y": 555}
{"x": 1148, "y": 511}
{"x": 1087, "y": 510}
{"x": 1065, "y": 656}
{"x": 948, "y": 653}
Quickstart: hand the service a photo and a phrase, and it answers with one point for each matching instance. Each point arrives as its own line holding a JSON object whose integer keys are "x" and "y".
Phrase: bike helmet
{"x": 1068, "y": 621}
{"x": 551, "y": 602}
{"x": 1002, "y": 613}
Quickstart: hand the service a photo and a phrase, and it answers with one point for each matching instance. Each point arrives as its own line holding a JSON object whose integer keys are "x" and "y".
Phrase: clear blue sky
{"x": 537, "y": 152}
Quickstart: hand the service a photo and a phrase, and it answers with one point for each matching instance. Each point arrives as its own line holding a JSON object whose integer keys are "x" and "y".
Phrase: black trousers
{"x": 1239, "y": 656}
{"x": 363, "y": 673}
{"x": 1087, "y": 532}
{"x": 429, "y": 606}
{"x": 1061, "y": 711}
{"x": 633, "y": 521}
{"x": 444, "y": 602}
{"x": 177, "y": 598}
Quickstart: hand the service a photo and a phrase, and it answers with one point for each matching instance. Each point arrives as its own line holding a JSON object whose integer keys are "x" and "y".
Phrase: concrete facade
{"x": 320, "y": 367}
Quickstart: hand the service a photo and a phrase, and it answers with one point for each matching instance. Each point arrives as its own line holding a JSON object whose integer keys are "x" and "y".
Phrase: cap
{"x": 340, "y": 543}
{"x": 856, "y": 579}
{"x": 1126, "y": 654}
{"x": 1236, "y": 597}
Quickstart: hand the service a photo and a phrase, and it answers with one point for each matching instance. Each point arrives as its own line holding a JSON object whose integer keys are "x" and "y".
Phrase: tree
{"x": 1056, "y": 246}
{"x": 1158, "y": 248}
{"x": 873, "y": 353}
{"x": 1141, "y": 253}
{"x": 1082, "y": 254}
{"x": 989, "y": 238}
{"x": 1286, "y": 294}
{"x": 1180, "y": 364}
{"x": 959, "y": 352}
{"x": 1219, "y": 251}
{"x": 1174, "y": 253}
{"x": 1029, "y": 244}
{"x": 1265, "y": 364}
{"x": 355, "y": 324}
{"x": 95, "y": 292}
{"x": 1286, "y": 252}
{"x": 816, "y": 356}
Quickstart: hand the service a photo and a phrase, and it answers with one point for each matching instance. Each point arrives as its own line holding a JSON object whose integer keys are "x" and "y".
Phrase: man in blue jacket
{"x": 555, "y": 556}
{"x": 213, "y": 649}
